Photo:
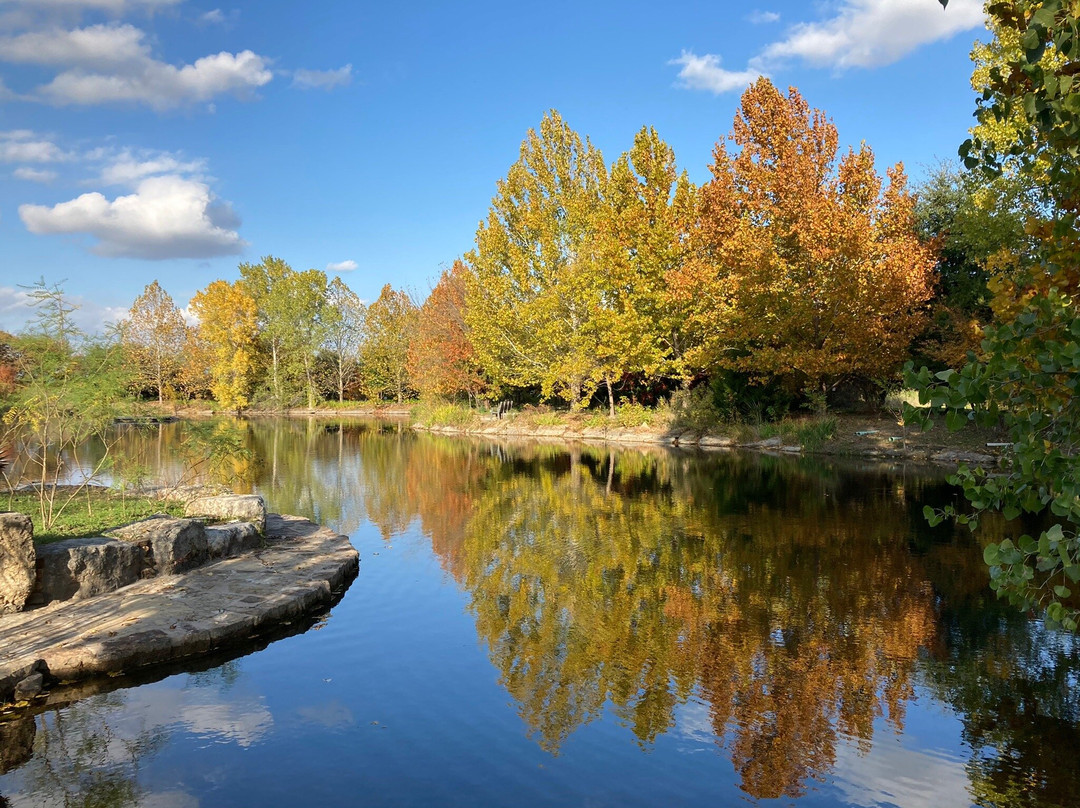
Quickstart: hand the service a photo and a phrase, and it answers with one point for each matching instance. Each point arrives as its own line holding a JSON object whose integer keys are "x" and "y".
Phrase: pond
{"x": 551, "y": 624}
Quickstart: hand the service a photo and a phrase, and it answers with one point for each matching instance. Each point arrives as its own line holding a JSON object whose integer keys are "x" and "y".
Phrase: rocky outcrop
{"x": 232, "y": 539}
{"x": 81, "y": 568}
{"x": 17, "y": 561}
{"x": 301, "y": 568}
{"x": 231, "y": 508}
{"x": 169, "y": 545}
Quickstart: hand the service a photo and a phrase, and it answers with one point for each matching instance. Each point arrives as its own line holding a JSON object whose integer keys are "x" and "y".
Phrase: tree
{"x": 154, "y": 334}
{"x": 643, "y": 238}
{"x": 1028, "y": 376}
{"x": 532, "y": 289}
{"x": 385, "y": 353}
{"x": 345, "y": 315}
{"x": 228, "y": 326}
{"x": 442, "y": 360}
{"x": 802, "y": 267}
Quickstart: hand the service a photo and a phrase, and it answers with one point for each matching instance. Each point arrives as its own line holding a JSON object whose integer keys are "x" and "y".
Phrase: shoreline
{"x": 301, "y": 569}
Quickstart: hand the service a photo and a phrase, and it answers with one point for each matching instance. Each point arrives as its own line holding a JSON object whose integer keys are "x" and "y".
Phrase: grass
{"x": 435, "y": 413}
{"x": 89, "y": 514}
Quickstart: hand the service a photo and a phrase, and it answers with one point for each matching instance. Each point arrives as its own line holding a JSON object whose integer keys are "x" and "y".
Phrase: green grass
{"x": 435, "y": 413}
{"x": 89, "y": 514}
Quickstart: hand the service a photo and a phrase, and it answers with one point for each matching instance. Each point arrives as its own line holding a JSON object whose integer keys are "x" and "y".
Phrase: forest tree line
{"x": 796, "y": 275}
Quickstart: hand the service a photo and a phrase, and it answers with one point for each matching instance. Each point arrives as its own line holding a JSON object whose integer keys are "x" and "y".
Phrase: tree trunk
{"x": 610, "y": 397}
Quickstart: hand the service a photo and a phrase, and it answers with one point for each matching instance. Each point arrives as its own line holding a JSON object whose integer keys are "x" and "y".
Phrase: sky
{"x": 171, "y": 140}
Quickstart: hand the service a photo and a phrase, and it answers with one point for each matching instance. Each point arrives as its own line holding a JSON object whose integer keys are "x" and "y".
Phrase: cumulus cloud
{"x": 23, "y": 146}
{"x": 342, "y": 266}
{"x": 161, "y": 85}
{"x": 705, "y": 73}
{"x": 98, "y": 46}
{"x": 126, "y": 168}
{"x": 859, "y": 34}
{"x": 762, "y": 17}
{"x": 322, "y": 79}
{"x": 167, "y": 217}
{"x": 873, "y": 33}
{"x": 34, "y": 174}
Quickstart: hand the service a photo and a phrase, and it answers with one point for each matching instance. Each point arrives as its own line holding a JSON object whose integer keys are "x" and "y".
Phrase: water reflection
{"x": 784, "y": 612}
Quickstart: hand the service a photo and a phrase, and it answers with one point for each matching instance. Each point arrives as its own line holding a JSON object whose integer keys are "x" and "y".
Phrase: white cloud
{"x": 859, "y": 34}
{"x": 342, "y": 266}
{"x": 98, "y": 46}
{"x": 34, "y": 174}
{"x": 322, "y": 79}
{"x": 17, "y": 310}
{"x": 161, "y": 85}
{"x": 705, "y": 73}
{"x": 167, "y": 217}
{"x": 23, "y": 146}
{"x": 758, "y": 17}
{"x": 216, "y": 16}
{"x": 872, "y": 33}
{"x": 128, "y": 169}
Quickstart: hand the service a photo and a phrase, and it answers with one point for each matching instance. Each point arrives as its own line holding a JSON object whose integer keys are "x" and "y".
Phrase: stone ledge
{"x": 174, "y": 617}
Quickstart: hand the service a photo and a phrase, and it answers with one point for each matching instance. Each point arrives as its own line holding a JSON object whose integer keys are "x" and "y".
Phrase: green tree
{"x": 1030, "y": 370}
{"x": 532, "y": 291}
{"x": 384, "y": 356}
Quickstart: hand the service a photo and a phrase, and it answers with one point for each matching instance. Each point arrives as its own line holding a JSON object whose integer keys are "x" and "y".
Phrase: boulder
{"x": 17, "y": 561}
{"x": 81, "y": 568}
{"x": 30, "y": 687}
{"x": 232, "y": 539}
{"x": 952, "y": 456}
{"x": 231, "y": 508}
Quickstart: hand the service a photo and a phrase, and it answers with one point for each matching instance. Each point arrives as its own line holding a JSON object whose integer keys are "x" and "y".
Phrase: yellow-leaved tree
{"x": 534, "y": 289}
{"x": 227, "y": 325}
{"x": 154, "y": 336}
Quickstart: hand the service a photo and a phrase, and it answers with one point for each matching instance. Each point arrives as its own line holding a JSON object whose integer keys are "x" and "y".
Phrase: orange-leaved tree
{"x": 803, "y": 267}
{"x": 442, "y": 360}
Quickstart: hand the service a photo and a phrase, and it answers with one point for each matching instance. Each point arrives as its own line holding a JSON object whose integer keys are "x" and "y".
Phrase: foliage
{"x": 443, "y": 413}
{"x": 1028, "y": 375}
{"x": 227, "y": 323}
{"x": 802, "y": 266}
{"x": 69, "y": 390}
{"x": 534, "y": 289}
{"x": 345, "y": 315}
{"x": 390, "y": 322}
{"x": 154, "y": 336}
{"x": 442, "y": 360}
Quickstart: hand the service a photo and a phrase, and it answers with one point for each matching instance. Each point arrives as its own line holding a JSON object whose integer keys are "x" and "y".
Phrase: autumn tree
{"x": 533, "y": 288}
{"x": 803, "y": 266}
{"x": 345, "y": 323}
{"x": 228, "y": 323}
{"x": 385, "y": 353}
{"x": 1026, "y": 377}
{"x": 647, "y": 208}
{"x": 154, "y": 337}
{"x": 442, "y": 360}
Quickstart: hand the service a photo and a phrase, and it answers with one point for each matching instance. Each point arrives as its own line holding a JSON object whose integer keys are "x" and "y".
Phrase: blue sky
{"x": 172, "y": 139}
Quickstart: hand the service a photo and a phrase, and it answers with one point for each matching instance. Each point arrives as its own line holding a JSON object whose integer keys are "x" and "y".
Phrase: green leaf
{"x": 1062, "y": 591}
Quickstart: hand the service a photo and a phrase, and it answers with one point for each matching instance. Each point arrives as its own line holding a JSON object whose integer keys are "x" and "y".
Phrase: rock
{"x": 29, "y": 687}
{"x": 236, "y": 507}
{"x": 951, "y": 456}
{"x": 81, "y": 568}
{"x": 16, "y": 742}
{"x": 793, "y": 448}
{"x": 719, "y": 441}
{"x": 232, "y": 539}
{"x": 17, "y": 561}
{"x": 172, "y": 545}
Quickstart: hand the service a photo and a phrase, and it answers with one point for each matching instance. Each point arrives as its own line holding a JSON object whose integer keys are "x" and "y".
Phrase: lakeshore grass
{"x": 89, "y": 513}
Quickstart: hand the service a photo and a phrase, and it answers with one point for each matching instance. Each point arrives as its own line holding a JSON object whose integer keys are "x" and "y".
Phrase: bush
{"x": 738, "y": 396}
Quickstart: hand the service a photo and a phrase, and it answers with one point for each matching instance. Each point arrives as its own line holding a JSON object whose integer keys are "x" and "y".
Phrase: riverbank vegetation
{"x": 93, "y": 510}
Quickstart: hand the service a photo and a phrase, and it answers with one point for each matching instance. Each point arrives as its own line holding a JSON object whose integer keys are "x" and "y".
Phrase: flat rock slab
{"x": 175, "y": 616}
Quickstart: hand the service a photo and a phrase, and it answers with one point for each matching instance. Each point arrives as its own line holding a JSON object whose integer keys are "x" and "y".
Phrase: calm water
{"x": 554, "y": 625}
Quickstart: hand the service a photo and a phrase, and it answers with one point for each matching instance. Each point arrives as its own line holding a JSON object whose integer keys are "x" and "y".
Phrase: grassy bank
{"x": 89, "y": 513}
